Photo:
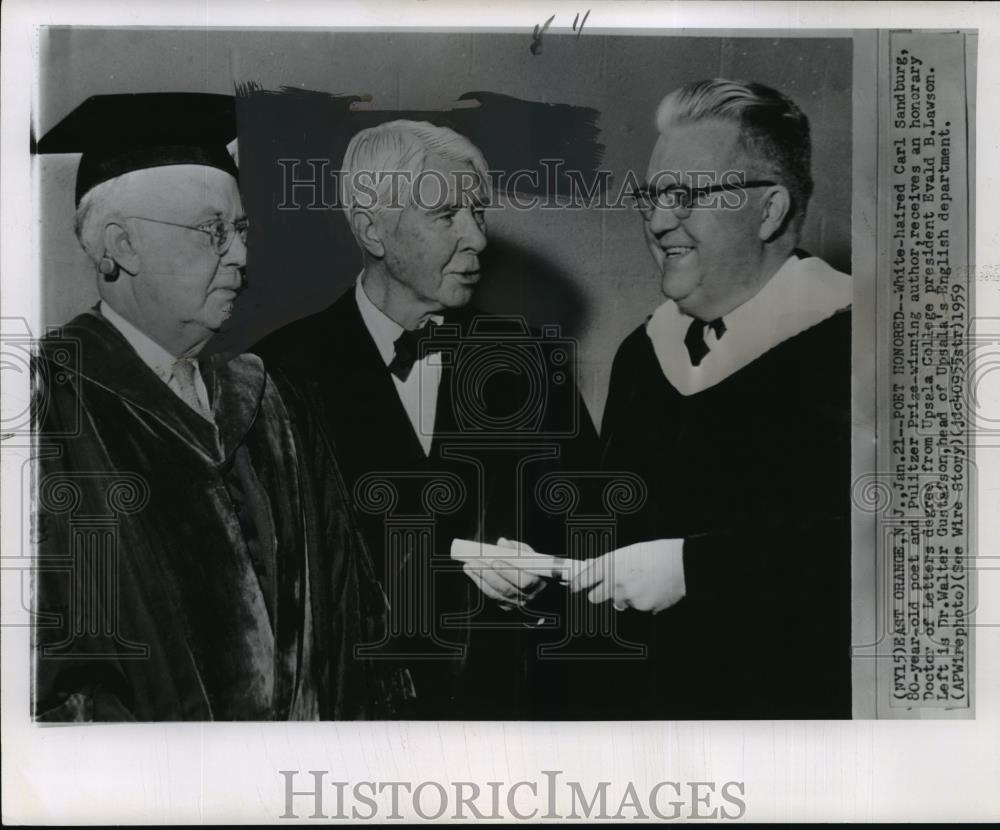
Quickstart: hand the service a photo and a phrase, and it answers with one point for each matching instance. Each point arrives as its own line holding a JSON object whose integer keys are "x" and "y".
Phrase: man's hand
{"x": 648, "y": 576}
{"x": 503, "y": 582}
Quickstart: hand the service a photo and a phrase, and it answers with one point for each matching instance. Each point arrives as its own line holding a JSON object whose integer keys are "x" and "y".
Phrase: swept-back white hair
{"x": 401, "y": 147}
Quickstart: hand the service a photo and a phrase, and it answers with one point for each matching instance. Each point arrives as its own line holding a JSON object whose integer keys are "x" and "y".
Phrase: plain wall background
{"x": 587, "y": 270}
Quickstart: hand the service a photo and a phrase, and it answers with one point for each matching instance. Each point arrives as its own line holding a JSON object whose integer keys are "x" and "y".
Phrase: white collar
{"x": 383, "y": 329}
{"x": 150, "y": 352}
{"x": 802, "y": 293}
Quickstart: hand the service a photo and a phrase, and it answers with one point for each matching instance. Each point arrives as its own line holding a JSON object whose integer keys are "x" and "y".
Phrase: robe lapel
{"x": 453, "y": 331}
{"x": 111, "y": 363}
{"x": 377, "y": 395}
{"x": 236, "y": 387}
{"x": 444, "y": 416}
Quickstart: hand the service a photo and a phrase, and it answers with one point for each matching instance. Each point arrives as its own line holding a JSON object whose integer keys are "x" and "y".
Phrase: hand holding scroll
{"x": 647, "y": 576}
{"x": 505, "y": 580}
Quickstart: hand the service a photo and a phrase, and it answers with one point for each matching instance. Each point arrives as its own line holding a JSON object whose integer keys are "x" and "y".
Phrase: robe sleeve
{"x": 735, "y": 561}
{"x": 621, "y": 393}
{"x": 349, "y": 607}
{"x": 70, "y": 684}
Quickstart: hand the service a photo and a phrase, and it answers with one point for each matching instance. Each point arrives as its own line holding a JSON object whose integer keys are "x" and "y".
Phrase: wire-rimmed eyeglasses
{"x": 682, "y": 199}
{"x": 220, "y": 231}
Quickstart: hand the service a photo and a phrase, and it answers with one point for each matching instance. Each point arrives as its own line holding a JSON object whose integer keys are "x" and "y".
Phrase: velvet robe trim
{"x": 204, "y": 617}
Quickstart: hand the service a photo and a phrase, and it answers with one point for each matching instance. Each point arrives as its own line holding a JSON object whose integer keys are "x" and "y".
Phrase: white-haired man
{"x": 196, "y": 557}
{"x": 420, "y": 393}
{"x": 733, "y": 402}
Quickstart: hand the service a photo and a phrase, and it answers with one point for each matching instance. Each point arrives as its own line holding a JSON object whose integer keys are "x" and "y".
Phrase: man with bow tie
{"x": 444, "y": 418}
{"x": 733, "y": 402}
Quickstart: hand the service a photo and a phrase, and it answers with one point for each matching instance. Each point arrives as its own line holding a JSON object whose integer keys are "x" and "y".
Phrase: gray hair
{"x": 97, "y": 207}
{"x": 400, "y": 147}
{"x": 774, "y": 132}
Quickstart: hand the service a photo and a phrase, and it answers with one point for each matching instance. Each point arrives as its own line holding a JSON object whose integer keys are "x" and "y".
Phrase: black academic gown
{"x": 497, "y": 433}
{"x": 754, "y": 474}
{"x": 189, "y": 573}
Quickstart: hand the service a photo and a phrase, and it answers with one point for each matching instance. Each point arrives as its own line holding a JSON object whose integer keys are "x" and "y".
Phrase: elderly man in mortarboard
{"x": 197, "y": 560}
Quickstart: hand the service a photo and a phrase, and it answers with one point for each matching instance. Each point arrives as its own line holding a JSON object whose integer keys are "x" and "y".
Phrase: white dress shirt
{"x": 418, "y": 393}
{"x": 802, "y": 293}
{"x": 157, "y": 358}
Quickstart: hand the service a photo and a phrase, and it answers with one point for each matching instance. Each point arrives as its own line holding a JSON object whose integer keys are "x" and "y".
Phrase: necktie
{"x": 695, "y": 338}
{"x": 408, "y": 350}
{"x": 182, "y": 381}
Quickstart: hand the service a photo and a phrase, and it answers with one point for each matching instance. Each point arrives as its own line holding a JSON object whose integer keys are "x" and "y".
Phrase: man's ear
{"x": 118, "y": 245}
{"x": 367, "y": 232}
{"x": 775, "y": 211}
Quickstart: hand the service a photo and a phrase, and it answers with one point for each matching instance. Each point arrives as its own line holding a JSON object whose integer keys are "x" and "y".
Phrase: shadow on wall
{"x": 523, "y": 282}
{"x": 302, "y": 255}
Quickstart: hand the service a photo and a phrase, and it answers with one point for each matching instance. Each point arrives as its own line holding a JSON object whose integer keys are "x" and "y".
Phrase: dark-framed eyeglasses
{"x": 682, "y": 199}
{"x": 220, "y": 231}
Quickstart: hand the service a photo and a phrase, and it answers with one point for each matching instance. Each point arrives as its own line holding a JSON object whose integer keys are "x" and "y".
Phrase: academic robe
{"x": 754, "y": 474}
{"x": 496, "y": 434}
{"x": 187, "y": 572}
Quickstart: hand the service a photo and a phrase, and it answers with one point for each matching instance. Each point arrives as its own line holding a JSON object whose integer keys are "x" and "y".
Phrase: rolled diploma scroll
{"x": 484, "y": 555}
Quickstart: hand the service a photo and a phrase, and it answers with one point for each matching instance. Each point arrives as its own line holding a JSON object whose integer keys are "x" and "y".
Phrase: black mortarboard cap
{"x": 120, "y": 133}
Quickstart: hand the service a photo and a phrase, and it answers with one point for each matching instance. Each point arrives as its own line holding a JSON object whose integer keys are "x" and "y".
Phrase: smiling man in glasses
{"x": 196, "y": 560}
{"x": 733, "y": 403}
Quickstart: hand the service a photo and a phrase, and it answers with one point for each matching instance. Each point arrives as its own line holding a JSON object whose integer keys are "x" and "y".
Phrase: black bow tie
{"x": 409, "y": 350}
{"x": 695, "y": 338}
